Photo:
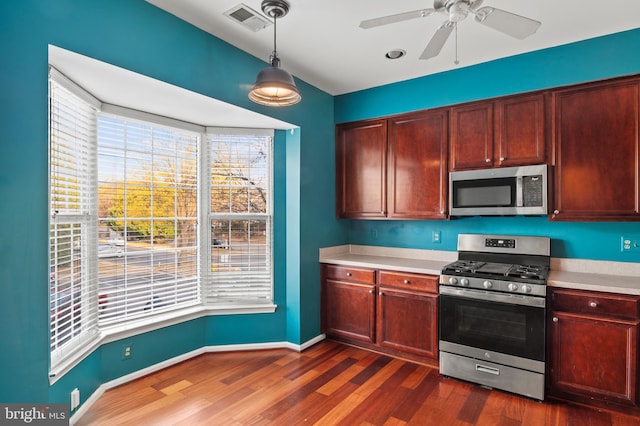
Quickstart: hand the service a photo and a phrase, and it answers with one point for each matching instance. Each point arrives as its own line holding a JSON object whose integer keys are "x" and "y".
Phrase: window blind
{"x": 148, "y": 208}
{"x": 72, "y": 174}
{"x": 240, "y": 167}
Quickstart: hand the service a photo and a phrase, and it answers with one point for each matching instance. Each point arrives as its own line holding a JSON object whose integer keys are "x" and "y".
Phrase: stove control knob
{"x": 512, "y": 287}
{"x": 464, "y": 282}
{"x": 526, "y": 289}
{"x": 453, "y": 280}
{"x": 487, "y": 284}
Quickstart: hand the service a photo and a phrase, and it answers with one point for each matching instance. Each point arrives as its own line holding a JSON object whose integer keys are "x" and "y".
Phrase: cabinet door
{"x": 407, "y": 321}
{"x": 361, "y": 153}
{"x": 519, "y": 130}
{"x": 594, "y": 357}
{"x": 417, "y": 168}
{"x": 349, "y": 310}
{"x": 471, "y": 144}
{"x": 596, "y": 152}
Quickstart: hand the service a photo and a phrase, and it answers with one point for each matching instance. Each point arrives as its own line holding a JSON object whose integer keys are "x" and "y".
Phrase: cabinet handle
{"x": 487, "y": 160}
{"x": 348, "y": 274}
{"x": 593, "y": 304}
{"x": 407, "y": 282}
{"x": 502, "y": 158}
{"x": 555, "y": 319}
{"x": 556, "y": 211}
{"x": 381, "y": 294}
{"x": 371, "y": 292}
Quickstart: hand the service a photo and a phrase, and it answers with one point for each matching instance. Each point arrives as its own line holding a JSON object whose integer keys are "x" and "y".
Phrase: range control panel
{"x": 498, "y": 242}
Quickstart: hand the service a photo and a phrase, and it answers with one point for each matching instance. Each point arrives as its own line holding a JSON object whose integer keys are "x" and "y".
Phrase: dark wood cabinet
{"x": 387, "y": 311}
{"x": 394, "y": 168}
{"x": 520, "y": 130}
{"x": 593, "y": 347}
{"x": 417, "y": 166}
{"x": 407, "y": 314}
{"x": 397, "y": 167}
{"x": 596, "y": 152}
{"x": 349, "y": 303}
{"x": 361, "y": 167}
{"x": 471, "y": 143}
{"x": 504, "y": 132}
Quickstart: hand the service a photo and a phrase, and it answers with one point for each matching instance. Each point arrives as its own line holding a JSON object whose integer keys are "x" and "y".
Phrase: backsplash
{"x": 581, "y": 240}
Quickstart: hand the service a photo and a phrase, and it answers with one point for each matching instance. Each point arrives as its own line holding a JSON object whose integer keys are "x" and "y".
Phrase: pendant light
{"x": 275, "y": 86}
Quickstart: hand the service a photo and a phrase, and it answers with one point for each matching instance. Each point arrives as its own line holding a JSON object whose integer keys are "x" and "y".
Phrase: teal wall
{"x": 136, "y": 35}
{"x": 595, "y": 59}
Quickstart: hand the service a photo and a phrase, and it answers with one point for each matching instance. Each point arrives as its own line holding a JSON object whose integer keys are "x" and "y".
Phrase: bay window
{"x": 151, "y": 218}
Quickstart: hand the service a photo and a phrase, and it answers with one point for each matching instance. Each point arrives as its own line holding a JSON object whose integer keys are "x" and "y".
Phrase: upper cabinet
{"x": 396, "y": 167}
{"x": 498, "y": 133}
{"x": 361, "y": 167}
{"x": 393, "y": 168}
{"x": 417, "y": 167}
{"x": 471, "y": 143}
{"x": 596, "y": 132}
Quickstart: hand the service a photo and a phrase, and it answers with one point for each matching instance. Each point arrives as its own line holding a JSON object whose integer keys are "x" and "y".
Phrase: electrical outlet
{"x": 127, "y": 352}
{"x": 630, "y": 244}
{"x": 436, "y": 237}
{"x": 75, "y": 399}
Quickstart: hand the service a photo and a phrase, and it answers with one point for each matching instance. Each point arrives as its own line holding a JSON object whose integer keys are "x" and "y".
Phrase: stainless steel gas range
{"x": 492, "y": 312}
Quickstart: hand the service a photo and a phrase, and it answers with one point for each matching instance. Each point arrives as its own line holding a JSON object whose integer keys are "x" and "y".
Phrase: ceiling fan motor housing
{"x": 457, "y": 10}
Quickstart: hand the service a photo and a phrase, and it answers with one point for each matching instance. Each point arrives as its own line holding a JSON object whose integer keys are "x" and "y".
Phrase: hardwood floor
{"x": 327, "y": 384}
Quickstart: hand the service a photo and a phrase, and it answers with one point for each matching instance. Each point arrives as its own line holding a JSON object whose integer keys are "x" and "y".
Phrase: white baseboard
{"x": 175, "y": 360}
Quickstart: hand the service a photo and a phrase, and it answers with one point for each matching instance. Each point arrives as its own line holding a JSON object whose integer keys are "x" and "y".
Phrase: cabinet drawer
{"x": 418, "y": 282}
{"x": 346, "y": 273}
{"x": 588, "y": 302}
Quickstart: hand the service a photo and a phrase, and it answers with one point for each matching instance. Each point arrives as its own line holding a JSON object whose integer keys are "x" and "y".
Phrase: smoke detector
{"x": 247, "y": 17}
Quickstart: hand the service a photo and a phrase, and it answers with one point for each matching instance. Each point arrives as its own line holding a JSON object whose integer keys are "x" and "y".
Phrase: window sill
{"x": 116, "y": 332}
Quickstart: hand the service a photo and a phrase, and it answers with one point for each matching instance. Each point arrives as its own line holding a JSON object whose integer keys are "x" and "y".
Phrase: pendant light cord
{"x": 275, "y": 51}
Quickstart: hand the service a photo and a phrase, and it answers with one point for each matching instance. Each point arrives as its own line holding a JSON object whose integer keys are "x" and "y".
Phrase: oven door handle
{"x": 492, "y": 296}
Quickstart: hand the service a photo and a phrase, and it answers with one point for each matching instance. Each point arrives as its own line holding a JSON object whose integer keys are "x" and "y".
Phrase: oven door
{"x": 508, "y": 324}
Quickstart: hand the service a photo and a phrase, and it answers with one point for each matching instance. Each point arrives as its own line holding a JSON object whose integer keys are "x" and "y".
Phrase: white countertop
{"x": 594, "y": 275}
{"x": 394, "y": 259}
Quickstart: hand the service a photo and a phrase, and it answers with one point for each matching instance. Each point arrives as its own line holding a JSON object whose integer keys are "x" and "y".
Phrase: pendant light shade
{"x": 275, "y": 86}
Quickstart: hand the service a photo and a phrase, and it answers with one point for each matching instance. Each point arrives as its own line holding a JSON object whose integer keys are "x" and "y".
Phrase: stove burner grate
{"x": 474, "y": 268}
{"x": 528, "y": 272}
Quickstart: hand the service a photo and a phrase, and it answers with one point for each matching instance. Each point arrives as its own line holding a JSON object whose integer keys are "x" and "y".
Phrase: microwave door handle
{"x": 519, "y": 194}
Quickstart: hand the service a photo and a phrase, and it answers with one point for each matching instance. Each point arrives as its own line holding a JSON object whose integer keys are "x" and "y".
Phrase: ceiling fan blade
{"x": 506, "y": 22}
{"x": 438, "y": 40}
{"x": 391, "y": 19}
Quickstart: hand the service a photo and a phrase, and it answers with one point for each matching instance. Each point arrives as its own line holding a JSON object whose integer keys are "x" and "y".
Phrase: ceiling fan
{"x": 457, "y": 10}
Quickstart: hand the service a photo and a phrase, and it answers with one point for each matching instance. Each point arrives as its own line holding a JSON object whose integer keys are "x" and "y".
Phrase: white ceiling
{"x": 320, "y": 41}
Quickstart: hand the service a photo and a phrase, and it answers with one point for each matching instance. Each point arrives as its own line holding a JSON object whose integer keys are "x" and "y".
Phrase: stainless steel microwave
{"x": 499, "y": 192}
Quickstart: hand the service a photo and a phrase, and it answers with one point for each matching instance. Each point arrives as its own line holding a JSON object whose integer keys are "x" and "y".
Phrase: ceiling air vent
{"x": 247, "y": 17}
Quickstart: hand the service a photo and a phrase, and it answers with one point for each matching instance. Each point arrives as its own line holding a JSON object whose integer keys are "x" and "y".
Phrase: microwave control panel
{"x": 532, "y": 190}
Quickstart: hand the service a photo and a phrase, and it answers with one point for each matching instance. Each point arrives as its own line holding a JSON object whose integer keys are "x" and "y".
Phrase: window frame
{"x": 211, "y": 215}
{"x": 131, "y": 305}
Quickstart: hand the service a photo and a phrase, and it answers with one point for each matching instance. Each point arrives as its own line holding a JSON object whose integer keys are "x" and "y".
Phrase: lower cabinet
{"x": 593, "y": 347}
{"x": 351, "y": 311}
{"x": 388, "y": 311}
